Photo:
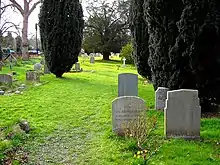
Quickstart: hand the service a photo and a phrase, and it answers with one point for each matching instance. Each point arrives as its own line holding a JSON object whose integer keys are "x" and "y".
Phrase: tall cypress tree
{"x": 140, "y": 38}
{"x": 61, "y": 28}
{"x": 162, "y": 16}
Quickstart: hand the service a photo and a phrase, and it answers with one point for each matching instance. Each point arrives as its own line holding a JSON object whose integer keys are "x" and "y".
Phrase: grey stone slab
{"x": 127, "y": 84}
{"x": 182, "y": 114}
{"x": 46, "y": 69}
{"x": 92, "y": 59}
{"x": 33, "y": 76}
{"x": 6, "y": 78}
{"x": 77, "y": 67}
{"x": 160, "y": 98}
{"x": 124, "y": 110}
{"x": 37, "y": 67}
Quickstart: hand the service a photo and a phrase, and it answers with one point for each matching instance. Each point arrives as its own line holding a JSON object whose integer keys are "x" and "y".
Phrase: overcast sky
{"x": 17, "y": 18}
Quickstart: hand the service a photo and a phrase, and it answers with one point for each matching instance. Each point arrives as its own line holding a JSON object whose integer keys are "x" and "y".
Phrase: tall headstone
{"x": 6, "y": 78}
{"x": 124, "y": 110}
{"x": 77, "y": 67}
{"x": 46, "y": 69}
{"x": 127, "y": 84}
{"x": 182, "y": 114}
{"x": 92, "y": 59}
{"x": 33, "y": 76}
{"x": 160, "y": 98}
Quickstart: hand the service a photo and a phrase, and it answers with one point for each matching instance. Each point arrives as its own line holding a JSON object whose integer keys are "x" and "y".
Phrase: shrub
{"x": 126, "y": 52}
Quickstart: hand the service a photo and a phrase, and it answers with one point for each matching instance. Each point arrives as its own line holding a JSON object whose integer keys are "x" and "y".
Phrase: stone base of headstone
{"x": 160, "y": 98}
{"x": 126, "y": 110}
{"x": 32, "y": 76}
{"x": 182, "y": 114}
{"x": 6, "y": 78}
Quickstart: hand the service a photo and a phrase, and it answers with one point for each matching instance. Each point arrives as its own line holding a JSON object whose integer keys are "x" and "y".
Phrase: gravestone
{"x": 77, "y": 67}
{"x": 33, "y": 76}
{"x": 124, "y": 110}
{"x": 2, "y": 92}
{"x": 6, "y": 78}
{"x": 160, "y": 98}
{"x": 124, "y": 65}
{"x": 37, "y": 67}
{"x": 46, "y": 69}
{"x": 127, "y": 84}
{"x": 182, "y": 114}
{"x": 92, "y": 59}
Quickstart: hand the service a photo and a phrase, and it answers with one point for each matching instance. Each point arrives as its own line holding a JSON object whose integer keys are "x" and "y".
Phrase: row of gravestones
{"x": 181, "y": 107}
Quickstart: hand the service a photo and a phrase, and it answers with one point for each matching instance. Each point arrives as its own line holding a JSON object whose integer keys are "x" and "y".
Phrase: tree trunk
{"x": 106, "y": 55}
{"x": 25, "y": 55}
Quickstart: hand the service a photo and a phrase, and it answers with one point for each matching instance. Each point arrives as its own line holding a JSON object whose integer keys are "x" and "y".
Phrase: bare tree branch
{"x": 17, "y": 6}
{"x": 33, "y": 7}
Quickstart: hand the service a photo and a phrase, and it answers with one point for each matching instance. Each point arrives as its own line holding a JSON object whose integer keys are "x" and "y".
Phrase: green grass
{"x": 71, "y": 121}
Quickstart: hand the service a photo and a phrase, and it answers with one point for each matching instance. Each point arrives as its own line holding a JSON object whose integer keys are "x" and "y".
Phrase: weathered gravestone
{"x": 124, "y": 110}
{"x": 32, "y": 76}
{"x": 124, "y": 64}
{"x": 6, "y": 78}
{"x": 37, "y": 67}
{"x": 46, "y": 69}
{"x": 92, "y": 59}
{"x": 182, "y": 114}
{"x": 127, "y": 84}
{"x": 77, "y": 67}
{"x": 160, "y": 98}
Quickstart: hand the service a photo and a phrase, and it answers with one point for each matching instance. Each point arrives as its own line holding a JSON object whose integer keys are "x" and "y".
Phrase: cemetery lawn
{"x": 70, "y": 120}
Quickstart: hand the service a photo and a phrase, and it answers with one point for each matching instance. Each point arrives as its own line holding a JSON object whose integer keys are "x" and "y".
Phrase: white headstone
{"x": 182, "y": 114}
{"x": 77, "y": 67}
{"x": 124, "y": 65}
{"x": 160, "y": 98}
{"x": 124, "y": 110}
{"x": 127, "y": 84}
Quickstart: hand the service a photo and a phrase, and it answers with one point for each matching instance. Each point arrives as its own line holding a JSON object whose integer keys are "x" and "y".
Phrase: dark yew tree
{"x": 184, "y": 46}
{"x": 196, "y": 53}
{"x": 162, "y": 16}
{"x": 140, "y": 38}
{"x": 61, "y": 29}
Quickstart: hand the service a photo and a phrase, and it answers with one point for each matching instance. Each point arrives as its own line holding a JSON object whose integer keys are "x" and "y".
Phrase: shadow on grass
{"x": 108, "y": 61}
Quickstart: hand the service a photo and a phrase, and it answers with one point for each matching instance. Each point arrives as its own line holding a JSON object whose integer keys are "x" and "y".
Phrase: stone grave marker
{"x": 6, "y": 78}
{"x": 124, "y": 110}
{"x": 124, "y": 65}
{"x": 160, "y": 98}
{"x": 33, "y": 76}
{"x": 46, "y": 69}
{"x": 182, "y": 114}
{"x": 92, "y": 59}
{"x": 127, "y": 84}
{"x": 37, "y": 67}
{"x": 77, "y": 67}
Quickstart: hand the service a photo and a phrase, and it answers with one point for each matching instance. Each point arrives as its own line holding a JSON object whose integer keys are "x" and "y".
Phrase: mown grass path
{"x": 71, "y": 121}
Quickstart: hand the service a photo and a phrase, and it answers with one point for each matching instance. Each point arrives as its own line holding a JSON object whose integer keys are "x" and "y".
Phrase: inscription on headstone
{"x": 182, "y": 114}
{"x": 127, "y": 84}
{"x": 160, "y": 98}
{"x": 124, "y": 110}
